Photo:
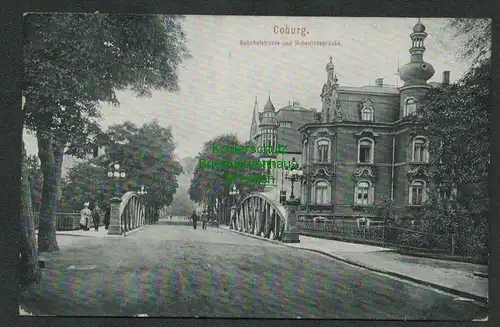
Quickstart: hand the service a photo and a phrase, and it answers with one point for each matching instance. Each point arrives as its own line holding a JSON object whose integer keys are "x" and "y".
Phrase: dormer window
{"x": 286, "y": 124}
{"x": 367, "y": 114}
{"x": 410, "y": 106}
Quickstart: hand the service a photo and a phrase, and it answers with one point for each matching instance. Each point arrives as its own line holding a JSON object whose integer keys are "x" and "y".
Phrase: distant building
{"x": 357, "y": 149}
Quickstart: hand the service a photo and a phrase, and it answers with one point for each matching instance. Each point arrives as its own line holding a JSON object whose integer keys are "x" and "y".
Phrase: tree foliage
{"x": 74, "y": 61}
{"x": 85, "y": 182}
{"x": 474, "y": 36}
{"x": 456, "y": 120}
{"x": 147, "y": 154}
{"x": 209, "y": 184}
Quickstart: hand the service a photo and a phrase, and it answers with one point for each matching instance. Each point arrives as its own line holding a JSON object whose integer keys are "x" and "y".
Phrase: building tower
{"x": 416, "y": 73}
{"x": 329, "y": 95}
{"x": 268, "y": 140}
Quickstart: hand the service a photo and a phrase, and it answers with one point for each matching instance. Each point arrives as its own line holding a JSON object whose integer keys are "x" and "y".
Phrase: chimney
{"x": 379, "y": 82}
{"x": 446, "y": 77}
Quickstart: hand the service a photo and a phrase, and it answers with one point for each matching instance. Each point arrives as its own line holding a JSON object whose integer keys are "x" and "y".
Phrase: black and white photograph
{"x": 255, "y": 167}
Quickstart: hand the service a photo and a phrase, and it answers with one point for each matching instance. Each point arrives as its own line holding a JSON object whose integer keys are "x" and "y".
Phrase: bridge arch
{"x": 132, "y": 212}
{"x": 259, "y": 215}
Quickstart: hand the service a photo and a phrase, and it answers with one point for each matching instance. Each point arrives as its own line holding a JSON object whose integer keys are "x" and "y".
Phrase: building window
{"x": 322, "y": 194}
{"x": 365, "y": 151}
{"x": 322, "y": 151}
{"x": 367, "y": 114}
{"x": 420, "y": 152}
{"x": 417, "y": 193}
{"x": 286, "y": 124}
{"x": 410, "y": 106}
{"x": 447, "y": 193}
{"x": 363, "y": 193}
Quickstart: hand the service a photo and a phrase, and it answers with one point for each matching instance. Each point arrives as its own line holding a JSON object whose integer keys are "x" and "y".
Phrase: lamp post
{"x": 294, "y": 174}
{"x": 116, "y": 174}
{"x": 115, "y": 224}
{"x": 234, "y": 192}
{"x": 142, "y": 192}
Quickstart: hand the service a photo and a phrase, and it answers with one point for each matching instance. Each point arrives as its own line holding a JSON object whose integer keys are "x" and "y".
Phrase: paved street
{"x": 173, "y": 270}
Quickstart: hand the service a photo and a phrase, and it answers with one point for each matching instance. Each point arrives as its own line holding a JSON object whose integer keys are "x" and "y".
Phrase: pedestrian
{"x": 204, "y": 221}
{"x": 85, "y": 214}
{"x": 107, "y": 216}
{"x": 96, "y": 217}
{"x": 194, "y": 217}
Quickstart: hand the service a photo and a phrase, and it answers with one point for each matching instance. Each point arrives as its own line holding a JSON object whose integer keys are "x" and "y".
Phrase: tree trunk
{"x": 48, "y": 152}
{"x": 30, "y": 270}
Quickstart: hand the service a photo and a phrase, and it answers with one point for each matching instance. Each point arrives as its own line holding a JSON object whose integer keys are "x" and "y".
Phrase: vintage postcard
{"x": 255, "y": 167}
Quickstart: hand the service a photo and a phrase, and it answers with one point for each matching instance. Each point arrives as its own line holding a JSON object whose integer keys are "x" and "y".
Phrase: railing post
{"x": 452, "y": 244}
{"x": 290, "y": 233}
{"x": 114, "y": 219}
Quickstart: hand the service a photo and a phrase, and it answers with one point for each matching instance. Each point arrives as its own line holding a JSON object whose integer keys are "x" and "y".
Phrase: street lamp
{"x": 142, "y": 192}
{"x": 295, "y": 174}
{"x": 116, "y": 174}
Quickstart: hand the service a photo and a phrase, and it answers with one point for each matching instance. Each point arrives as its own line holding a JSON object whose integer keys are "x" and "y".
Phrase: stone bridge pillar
{"x": 290, "y": 233}
{"x": 114, "y": 219}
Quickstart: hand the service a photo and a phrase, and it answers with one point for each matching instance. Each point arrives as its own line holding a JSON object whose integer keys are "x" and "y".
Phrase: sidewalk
{"x": 453, "y": 277}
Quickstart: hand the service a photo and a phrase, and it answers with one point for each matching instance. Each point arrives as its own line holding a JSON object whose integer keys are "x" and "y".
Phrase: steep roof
{"x": 297, "y": 117}
{"x": 370, "y": 89}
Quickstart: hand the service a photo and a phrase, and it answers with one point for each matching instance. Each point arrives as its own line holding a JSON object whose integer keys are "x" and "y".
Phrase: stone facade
{"x": 357, "y": 149}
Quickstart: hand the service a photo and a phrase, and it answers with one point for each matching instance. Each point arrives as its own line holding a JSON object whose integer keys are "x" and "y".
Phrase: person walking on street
{"x": 107, "y": 216}
{"x": 85, "y": 215}
{"x": 194, "y": 217}
{"x": 96, "y": 217}
{"x": 204, "y": 221}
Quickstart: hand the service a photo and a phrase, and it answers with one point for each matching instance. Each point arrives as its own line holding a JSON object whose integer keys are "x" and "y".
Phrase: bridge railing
{"x": 64, "y": 221}
{"x": 258, "y": 215}
{"x": 132, "y": 213}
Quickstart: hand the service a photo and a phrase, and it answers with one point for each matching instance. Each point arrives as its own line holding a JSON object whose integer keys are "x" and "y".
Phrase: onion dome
{"x": 416, "y": 72}
{"x": 419, "y": 27}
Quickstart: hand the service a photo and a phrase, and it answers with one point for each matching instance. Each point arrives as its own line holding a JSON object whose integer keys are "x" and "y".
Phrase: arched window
{"x": 365, "y": 150}
{"x": 417, "y": 193}
{"x": 363, "y": 194}
{"x": 322, "y": 192}
{"x": 304, "y": 151}
{"x": 420, "y": 151}
{"x": 323, "y": 151}
{"x": 367, "y": 114}
{"x": 410, "y": 106}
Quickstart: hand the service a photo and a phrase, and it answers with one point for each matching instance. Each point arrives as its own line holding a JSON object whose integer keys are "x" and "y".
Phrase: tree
{"x": 30, "y": 269}
{"x": 35, "y": 179}
{"x": 85, "y": 182}
{"x": 475, "y": 35}
{"x": 456, "y": 120}
{"x": 148, "y": 156}
{"x": 211, "y": 185}
{"x": 74, "y": 61}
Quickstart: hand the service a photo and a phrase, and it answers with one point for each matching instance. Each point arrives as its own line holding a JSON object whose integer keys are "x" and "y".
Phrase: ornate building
{"x": 362, "y": 150}
{"x": 358, "y": 149}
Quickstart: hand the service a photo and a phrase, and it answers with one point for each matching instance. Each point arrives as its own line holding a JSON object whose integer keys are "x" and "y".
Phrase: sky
{"x": 219, "y": 84}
